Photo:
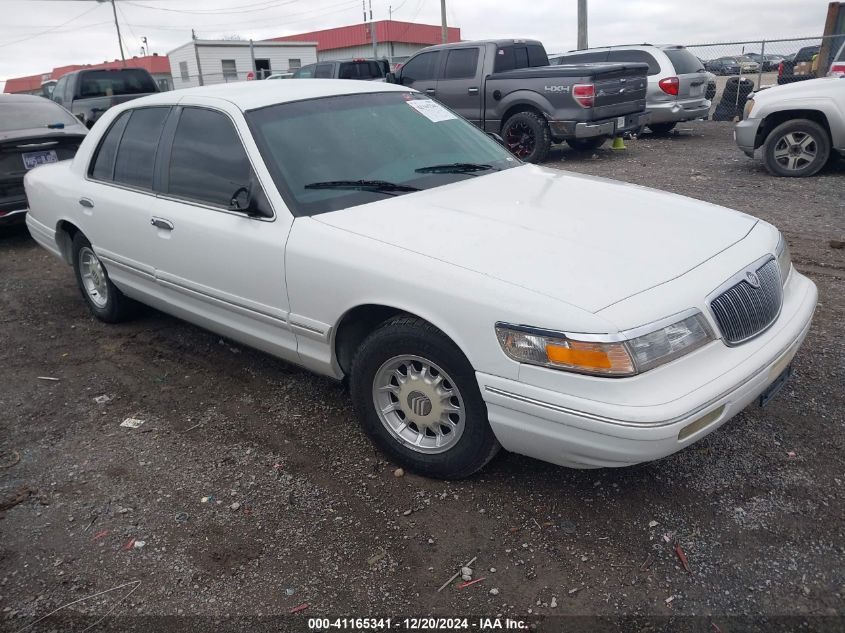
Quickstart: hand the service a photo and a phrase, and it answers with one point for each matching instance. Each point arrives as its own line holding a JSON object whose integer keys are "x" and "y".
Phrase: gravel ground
{"x": 249, "y": 489}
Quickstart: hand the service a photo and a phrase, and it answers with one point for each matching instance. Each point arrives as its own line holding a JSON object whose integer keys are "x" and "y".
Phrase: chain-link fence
{"x": 741, "y": 67}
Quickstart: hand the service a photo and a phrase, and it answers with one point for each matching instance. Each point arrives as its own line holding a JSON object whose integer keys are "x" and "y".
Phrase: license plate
{"x": 620, "y": 122}
{"x": 34, "y": 159}
{"x": 696, "y": 91}
{"x": 772, "y": 390}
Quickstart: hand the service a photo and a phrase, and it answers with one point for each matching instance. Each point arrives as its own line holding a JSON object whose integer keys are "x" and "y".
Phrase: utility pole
{"x": 197, "y": 53}
{"x": 582, "y": 24}
{"x": 444, "y": 30}
{"x": 373, "y": 32}
{"x": 117, "y": 26}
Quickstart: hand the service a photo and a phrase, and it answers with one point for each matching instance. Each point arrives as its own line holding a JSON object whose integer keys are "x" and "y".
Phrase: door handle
{"x": 429, "y": 91}
{"x": 161, "y": 223}
{"x": 472, "y": 91}
{"x": 85, "y": 202}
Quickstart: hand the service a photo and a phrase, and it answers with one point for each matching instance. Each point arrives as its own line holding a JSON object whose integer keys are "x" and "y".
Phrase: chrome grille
{"x": 743, "y": 310}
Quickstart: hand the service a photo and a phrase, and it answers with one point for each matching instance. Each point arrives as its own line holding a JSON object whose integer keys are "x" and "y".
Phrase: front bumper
{"x": 677, "y": 111}
{"x": 582, "y": 433}
{"x": 606, "y": 127}
{"x": 745, "y": 135}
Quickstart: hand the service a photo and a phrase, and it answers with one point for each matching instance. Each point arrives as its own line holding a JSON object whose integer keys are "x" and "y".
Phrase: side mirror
{"x": 498, "y": 139}
{"x": 252, "y": 204}
{"x": 390, "y": 78}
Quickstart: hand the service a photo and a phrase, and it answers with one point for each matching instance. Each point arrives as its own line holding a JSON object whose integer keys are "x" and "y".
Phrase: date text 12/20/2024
{"x": 416, "y": 624}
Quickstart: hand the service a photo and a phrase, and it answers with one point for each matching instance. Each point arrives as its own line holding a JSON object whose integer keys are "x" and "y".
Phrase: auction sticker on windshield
{"x": 431, "y": 110}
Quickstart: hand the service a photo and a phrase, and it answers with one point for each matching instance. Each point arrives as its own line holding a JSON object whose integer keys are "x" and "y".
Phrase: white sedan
{"x": 473, "y": 302}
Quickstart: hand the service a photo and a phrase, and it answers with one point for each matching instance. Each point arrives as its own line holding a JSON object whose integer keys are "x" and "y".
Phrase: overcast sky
{"x": 37, "y": 35}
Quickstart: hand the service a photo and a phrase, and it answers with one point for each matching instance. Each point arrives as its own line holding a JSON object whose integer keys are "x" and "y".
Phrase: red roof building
{"x": 157, "y": 65}
{"x": 395, "y": 40}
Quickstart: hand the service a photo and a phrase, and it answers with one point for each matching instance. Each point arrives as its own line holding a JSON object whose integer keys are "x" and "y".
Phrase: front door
{"x": 459, "y": 85}
{"x": 420, "y": 73}
{"x": 224, "y": 268}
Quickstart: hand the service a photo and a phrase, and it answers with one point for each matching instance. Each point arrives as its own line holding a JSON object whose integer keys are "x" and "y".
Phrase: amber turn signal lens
{"x": 596, "y": 359}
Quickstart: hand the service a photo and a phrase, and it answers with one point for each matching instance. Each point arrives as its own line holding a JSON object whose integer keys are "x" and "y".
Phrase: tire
{"x": 105, "y": 301}
{"x": 405, "y": 366}
{"x": 586, "y": 144}
{"x": 661, "y": 129}
{"x": 796, "y": 149}
{"x": 527, "y": 136}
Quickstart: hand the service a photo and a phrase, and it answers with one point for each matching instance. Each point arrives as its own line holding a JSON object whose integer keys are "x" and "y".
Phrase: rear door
{"x": 420, "y": 72}
{"x": 690, "y": 72}
{"x": 117, "y": 195}
{"x": 459, "y": 83}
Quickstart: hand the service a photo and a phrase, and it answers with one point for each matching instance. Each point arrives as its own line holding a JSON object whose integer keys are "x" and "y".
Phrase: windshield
{"x": 343, "y": 151}
{"x": 109, "y": 83}
{"x": 33, "y": 114}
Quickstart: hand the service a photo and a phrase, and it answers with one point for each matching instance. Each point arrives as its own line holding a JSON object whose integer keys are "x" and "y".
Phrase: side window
{"x": 639, "y": 57}
{"x": 136, "y": 155}
{"x": 70, "y": 88}
{"x": 461, "y": 63}
{"x": 59, "y": 90}
{"x": 504, "y": 60}
{"x": 537, "y": 56}
{"x": 102, "y": 167}
{"x": 324, "y": 71}
{"x": 306, "y": 72}
{"x": 420, "y": 68}
{"x": 208, "y": 162}
{"x": 584, "y": 58}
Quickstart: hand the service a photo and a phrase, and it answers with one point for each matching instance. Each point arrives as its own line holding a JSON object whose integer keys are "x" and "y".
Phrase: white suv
{"x": 677, "y": 80}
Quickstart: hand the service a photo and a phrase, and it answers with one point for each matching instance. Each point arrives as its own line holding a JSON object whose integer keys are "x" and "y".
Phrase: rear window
{"x": 109, "y": 83}
{"x": 32, "y": 114}
{"x": 685, "y": 63}
{"x": 520, "y": 56}
{"x": 806, "y": 53}
{"x": 635, "y": 56}
{"x": 361, "y": 70}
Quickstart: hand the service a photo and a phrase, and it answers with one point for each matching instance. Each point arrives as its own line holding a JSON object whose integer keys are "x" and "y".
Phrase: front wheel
{"x": 105, "y": 301}
{"x": 417, "y": 397}
{"x": 586, "y": 144}
{"x": 796, "y": 148}
{"x": 527, "y": 136}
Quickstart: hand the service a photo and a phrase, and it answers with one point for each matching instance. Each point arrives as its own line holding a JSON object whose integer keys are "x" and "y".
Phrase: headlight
{"x": 784, "y": 259}
{"x": 624, "y": 357}
{"x": 749, "y": 105}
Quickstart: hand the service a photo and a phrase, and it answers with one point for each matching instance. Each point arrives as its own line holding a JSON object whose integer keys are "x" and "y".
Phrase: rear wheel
{"x": 417, "y": 397}
{"x": 661, "y": 129}
{"x": 586, "y": 144}
{"x": 527, "y": 136}
{"x": 104, "y": 300}
{"x": 796, "y": 148}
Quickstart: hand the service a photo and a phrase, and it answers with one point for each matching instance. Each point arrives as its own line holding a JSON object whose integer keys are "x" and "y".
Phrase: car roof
{"x": 498, "y": 43}
{"x": 661, "y": 47}
{"x": 249, "y": 95}
{"x": 15, "y": 98}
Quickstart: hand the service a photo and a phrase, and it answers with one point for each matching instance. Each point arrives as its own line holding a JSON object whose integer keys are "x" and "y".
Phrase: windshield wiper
{"x": 454, "y": 168}
{"x": 376, "y": 186}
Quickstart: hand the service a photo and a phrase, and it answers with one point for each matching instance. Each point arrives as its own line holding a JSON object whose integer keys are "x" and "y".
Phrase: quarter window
{"x": 461, "y": 63}
{"x": 103, "y": 166}
{"x": 136, "y": 155}
{"x": 208, "y": 162}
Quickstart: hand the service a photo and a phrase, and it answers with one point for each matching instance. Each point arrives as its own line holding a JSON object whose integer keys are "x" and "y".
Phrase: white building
{"x": 204, "y": 62}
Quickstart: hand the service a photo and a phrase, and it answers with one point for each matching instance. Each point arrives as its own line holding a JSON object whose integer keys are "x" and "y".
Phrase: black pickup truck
{"x": 507, "y": 87}
{"x": 87, "y": 93}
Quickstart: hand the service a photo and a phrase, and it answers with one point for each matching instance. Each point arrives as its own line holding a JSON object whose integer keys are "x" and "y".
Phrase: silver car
{"x": 677, "y": 80}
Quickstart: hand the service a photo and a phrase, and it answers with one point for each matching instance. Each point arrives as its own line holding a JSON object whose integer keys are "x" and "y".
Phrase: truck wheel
{"x": 796, "y": 148}
{"x": 417, "y": 397}
{"x": 528, "y": 136}
{"x": 661, "y": 129}
{"x": 105, "y": 301}
{"x": 586, "y": 144}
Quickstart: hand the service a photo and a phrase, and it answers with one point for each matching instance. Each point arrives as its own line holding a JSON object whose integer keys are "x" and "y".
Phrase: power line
{"x": 266, "y": 4}
{"x": 52, "y": 29}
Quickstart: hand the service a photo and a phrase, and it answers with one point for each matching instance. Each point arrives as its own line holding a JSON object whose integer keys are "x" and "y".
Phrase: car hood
{"x": 588, "y": 241}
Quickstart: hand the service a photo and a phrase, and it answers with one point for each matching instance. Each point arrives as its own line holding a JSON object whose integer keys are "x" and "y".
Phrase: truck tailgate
{"x": 621, "y": 89}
